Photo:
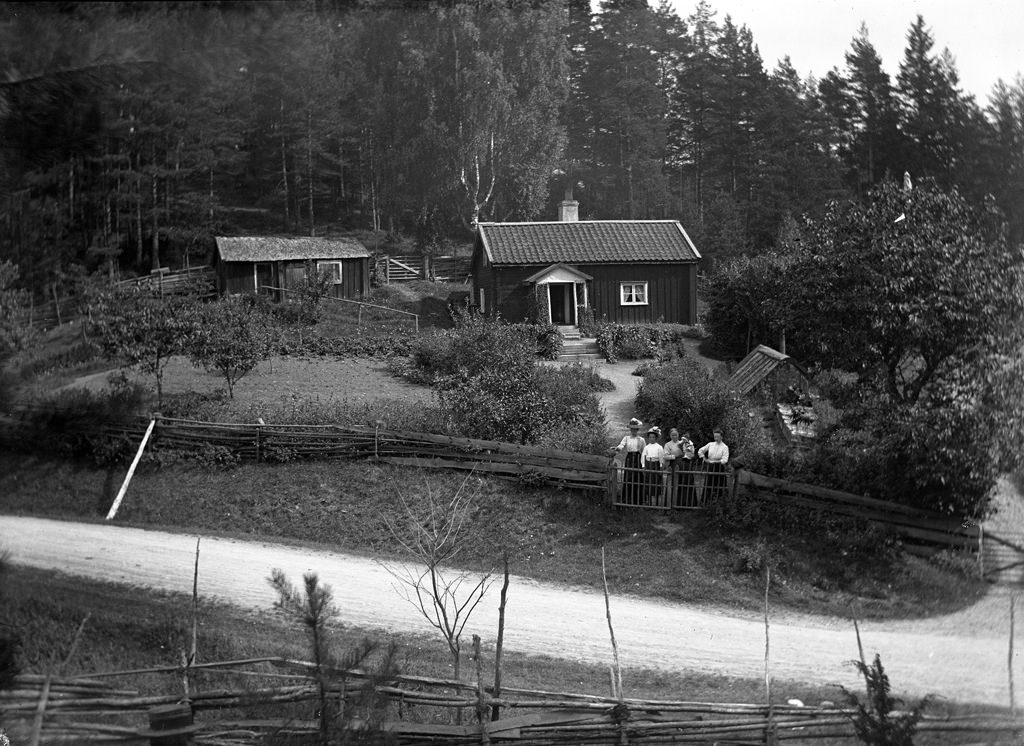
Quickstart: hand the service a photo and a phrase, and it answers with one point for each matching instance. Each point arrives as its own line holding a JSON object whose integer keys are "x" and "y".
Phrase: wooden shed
{"x": 627, "y": 271}
{"x": 767, "y": 374}
{"x": 253, "y": 264}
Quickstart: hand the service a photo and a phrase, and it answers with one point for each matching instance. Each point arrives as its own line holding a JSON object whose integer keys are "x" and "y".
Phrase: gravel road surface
{"x": 941, "y": 656}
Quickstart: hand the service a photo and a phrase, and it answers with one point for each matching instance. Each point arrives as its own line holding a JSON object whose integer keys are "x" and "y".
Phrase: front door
{"x": 562, "y": 298}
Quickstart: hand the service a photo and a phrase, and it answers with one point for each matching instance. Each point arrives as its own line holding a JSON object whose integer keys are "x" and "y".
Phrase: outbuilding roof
{"x": 756, "y": 366}
{"x": 276, "y": 249}
{"x": 587, "y": 242}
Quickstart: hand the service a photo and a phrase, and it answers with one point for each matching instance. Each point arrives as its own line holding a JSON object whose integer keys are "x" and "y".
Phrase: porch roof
{"x": 557, "y": 273}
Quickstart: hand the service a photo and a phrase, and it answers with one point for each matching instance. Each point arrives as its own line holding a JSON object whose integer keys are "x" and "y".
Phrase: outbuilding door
{"x": 562, "y": 299}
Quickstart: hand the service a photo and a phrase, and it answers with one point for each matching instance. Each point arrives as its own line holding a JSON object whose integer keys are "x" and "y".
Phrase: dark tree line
{"x": 134, "y": 132}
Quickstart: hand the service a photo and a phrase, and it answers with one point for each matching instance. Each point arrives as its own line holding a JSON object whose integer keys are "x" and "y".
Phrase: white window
{"x": 633, "y": 293}
{"x": 331, "y": 269}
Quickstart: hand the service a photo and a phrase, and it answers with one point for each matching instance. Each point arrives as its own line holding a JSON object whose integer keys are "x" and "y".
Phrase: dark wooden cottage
{"x": 628, "y": 271}
{"x": 252, "y": 264}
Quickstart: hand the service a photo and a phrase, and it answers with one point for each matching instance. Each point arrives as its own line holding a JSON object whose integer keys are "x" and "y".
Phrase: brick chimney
{"x": 568, "y": 211}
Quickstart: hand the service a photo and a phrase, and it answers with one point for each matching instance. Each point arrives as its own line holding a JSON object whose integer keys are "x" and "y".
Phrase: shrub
{"x": 639, "y": 341}
{"x": 549, "y": 341}
{"x": 67, "y": 422}
{"x": 31, "y": 363}
{"x": 682, "y": 394}
{"x": 476, "y": 344}
{"x": 489, "y": 385}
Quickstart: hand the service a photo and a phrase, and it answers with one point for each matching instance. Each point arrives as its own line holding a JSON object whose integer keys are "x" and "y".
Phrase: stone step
{"x": 583, "y": 357}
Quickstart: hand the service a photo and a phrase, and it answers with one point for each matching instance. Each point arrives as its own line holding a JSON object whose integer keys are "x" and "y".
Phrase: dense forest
{"x": 134, "y": 132}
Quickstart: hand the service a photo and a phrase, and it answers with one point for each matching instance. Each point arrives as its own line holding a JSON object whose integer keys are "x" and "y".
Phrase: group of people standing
{"x": 662, "y": 475}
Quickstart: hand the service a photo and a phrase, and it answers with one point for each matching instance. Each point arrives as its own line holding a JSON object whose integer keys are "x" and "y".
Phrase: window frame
{"x": 632, "y": 292}
{"x": 327, "y": 265}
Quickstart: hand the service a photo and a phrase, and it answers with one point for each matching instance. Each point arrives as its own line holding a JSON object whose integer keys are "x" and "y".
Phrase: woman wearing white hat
{"x": 632, "y": 479}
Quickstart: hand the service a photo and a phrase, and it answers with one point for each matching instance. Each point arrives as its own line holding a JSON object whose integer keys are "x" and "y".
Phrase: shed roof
{"x": 587, "y": 242}
{"x": 276, "y": 249}
{"x": 756, "y": 366}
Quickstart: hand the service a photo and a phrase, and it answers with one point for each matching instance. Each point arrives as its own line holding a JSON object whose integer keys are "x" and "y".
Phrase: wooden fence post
{"x": 981, "y": 550}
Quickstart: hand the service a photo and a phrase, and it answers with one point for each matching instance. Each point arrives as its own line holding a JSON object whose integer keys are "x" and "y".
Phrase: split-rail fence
{"x": 923, "y": 532}
{"x": 281, "y": 704}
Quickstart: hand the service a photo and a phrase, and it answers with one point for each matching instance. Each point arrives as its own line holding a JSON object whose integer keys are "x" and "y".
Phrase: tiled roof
{"x": 753, "y": 369}
{"x": 275, "y": 249}
{"x": 587, "y": 242}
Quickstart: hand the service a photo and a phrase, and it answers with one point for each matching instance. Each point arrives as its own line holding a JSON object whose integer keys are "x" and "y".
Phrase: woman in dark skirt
{"x": 632, "y": 479}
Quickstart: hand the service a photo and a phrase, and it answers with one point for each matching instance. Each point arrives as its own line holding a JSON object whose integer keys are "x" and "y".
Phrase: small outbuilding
{"x": 627, "y": 271}
{"x": 780, "y": 386}
{"x": 258, "y": 264}
{"x": 768, "y": 375}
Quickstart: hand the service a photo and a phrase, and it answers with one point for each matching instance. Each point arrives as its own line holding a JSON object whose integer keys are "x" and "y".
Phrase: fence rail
{"x": 85, "y": 710}
{"x": 255, "y": 442}
{"x": 925, "y": 531}
{"x": 408, "y": 267}
{"x": 201, "y": 281}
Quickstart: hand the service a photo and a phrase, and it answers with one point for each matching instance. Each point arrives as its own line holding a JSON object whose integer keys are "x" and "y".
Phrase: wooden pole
{"x": 981, "y": 550}
{"x": 481, "y": 699}
{"x": 769, "y": 731}
{"x": 131, "y": 471}
{"x": 1009, "y": 658}
{"x": 495, "y": 709}
{"x": 611, "y": 631}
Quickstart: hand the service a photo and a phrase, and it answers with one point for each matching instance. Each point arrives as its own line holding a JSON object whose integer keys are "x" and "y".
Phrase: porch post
{"x": 575, "y": 305}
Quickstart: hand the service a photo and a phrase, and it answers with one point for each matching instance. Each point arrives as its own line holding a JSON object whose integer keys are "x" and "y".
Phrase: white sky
{"x": 985, "y": 36}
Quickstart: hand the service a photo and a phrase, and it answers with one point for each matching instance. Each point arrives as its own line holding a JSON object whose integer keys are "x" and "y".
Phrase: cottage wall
{"x": 238, "y": 277}
{"x": 235, "y": 277}
{"x": 671, "y": 291}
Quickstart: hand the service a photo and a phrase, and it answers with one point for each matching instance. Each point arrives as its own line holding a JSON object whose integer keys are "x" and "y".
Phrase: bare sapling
{"x": 433, "y": 531}
{"x": 499, "y": 645}
{"x": 769, "y": 736}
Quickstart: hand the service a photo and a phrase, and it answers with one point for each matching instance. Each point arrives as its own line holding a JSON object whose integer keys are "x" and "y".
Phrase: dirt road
{"x": 558, "y": 621}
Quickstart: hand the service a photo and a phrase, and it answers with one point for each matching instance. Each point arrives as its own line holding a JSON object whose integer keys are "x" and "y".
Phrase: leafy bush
{"x": 66, "y": 422}
{"x": 31, "y": 363}
{"x": 549, "y": 341}
{"x": 683, "y": 394}
{"x": 639, "y": 341}
{"x": 475, "y": 344}
{"x": 489, "y": 386}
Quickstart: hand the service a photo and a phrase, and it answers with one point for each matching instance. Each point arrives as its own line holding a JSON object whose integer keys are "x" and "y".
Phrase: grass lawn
{"x": 550, "y": 535}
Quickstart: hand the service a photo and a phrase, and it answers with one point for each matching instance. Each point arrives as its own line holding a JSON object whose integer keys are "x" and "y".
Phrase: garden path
{"x": 946, "y": 656}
